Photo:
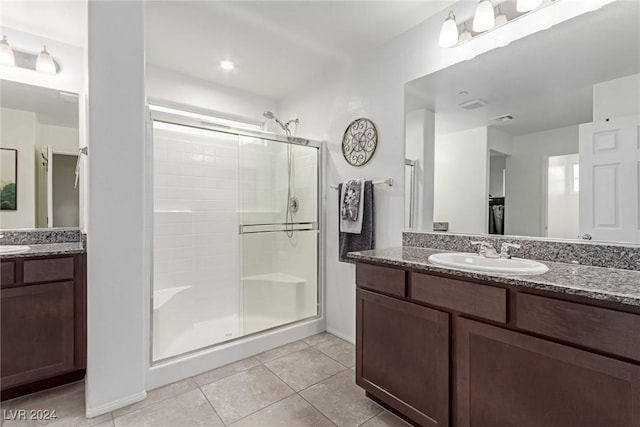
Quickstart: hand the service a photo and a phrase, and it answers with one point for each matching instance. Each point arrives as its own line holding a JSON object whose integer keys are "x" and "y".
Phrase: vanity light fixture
{"x": 465, "y": 34}
{"x": 44, "y": 63}
{"x": 6, "y": 54}
{"x": 501, "y": 18}
{"x": 484, "y": 18}
{"x": 527, "y": 5}
{"x": 449, "y": 31}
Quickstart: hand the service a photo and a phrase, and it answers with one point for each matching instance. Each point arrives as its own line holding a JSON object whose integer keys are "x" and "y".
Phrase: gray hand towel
{"x": 350, "y": 242}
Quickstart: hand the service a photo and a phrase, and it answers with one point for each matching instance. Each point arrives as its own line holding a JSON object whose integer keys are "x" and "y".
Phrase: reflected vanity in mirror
{"x": 538, "y": 138}
{"x": 40, "y": 126}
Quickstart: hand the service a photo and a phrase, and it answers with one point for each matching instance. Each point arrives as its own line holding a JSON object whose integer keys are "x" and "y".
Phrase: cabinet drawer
{"x": 487, "y": 302}
{"x": 48, "y": 270}
{"x": 7, "y": 273}
{"x": 382, "y": 279}
{"x": 594, "y": 327}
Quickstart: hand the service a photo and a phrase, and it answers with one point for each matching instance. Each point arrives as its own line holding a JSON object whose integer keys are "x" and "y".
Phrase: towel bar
{"x": 389, "y": 182}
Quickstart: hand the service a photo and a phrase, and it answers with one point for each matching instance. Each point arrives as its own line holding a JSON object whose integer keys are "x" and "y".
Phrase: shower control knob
{"x": 294, "y": 204}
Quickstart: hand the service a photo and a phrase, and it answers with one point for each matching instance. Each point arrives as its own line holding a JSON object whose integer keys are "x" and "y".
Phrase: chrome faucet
{"x": 504, "y": 250}
{"x": 486, "y": 249}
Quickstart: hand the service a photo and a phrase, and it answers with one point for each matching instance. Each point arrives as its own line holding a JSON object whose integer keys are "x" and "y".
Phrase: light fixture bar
{"x": 29, "y": 61}
{"x": 487, "y": 19}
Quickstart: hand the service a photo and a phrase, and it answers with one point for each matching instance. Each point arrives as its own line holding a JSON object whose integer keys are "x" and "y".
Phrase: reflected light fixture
{"x": 484, "y": 19}
{"x": 44, "y": 63}
{"x": 227, "y": 65}
{"x": 449, "y": 31}
{"x": 501, "y": 18}
{"x": 465, "y": 35}
{"x": 6, "y": 54}
{"x": 527, "y": 5}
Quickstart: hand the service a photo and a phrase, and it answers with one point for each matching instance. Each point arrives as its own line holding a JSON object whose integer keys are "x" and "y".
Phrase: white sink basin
{"x": 475, "y": 262}
{"x": 13, "y": 249}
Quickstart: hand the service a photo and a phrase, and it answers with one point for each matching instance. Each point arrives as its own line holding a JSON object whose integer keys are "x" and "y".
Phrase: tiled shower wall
{"x": 196, "y": 224}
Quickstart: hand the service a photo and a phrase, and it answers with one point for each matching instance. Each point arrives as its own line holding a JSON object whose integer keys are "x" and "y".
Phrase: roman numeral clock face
{"x": 359, "y": 142}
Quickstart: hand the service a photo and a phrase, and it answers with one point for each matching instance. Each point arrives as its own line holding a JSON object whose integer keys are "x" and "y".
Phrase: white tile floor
{"x": 305, "y": 383}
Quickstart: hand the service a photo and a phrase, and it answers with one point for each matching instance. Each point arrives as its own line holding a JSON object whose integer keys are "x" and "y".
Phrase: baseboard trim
{"x": 112, "y": 406}
{"x": 341, "y": 335}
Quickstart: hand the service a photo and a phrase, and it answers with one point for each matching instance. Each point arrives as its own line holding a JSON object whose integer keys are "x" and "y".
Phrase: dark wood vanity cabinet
{"x": 443, "y": 351}
{"x": 42, "y": 329}
{"x": 403, "y": 356}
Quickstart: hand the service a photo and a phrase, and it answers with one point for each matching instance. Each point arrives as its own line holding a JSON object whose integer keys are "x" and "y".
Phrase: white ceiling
{"x": 49, "y": 106}
{"x": 60, "y": 20}
{"x": 277, "y": 46}
{"x": 545, "y": 80}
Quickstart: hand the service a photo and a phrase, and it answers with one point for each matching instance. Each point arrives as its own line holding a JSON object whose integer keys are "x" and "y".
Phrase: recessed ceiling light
{"x": 226, "y": 65}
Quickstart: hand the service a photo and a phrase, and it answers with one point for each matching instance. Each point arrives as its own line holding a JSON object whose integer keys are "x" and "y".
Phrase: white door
{"x": 49, "y": 186}
{"x": 610, "y": 177}
{"x": 563, "y": 174}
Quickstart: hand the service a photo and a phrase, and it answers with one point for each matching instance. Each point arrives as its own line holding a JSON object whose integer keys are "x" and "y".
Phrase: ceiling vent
{"x": 474, "y": 104}
{"x": 505, "y": 118}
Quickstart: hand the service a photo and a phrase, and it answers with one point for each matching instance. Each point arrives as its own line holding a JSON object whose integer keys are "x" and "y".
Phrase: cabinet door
{"x": 505, "y": 379}
{"x": 402, "y": 356}
{"x": 37, "y": 332}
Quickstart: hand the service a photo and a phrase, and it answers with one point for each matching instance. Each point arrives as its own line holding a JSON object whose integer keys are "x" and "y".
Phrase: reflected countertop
{"x": 606, "y": 284}
{"x": 47, "y": 249}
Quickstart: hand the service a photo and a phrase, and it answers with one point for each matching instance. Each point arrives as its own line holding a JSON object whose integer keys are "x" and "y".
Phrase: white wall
{"x": 616, "y": 98}
{"x": 373, "y": 86}
{"x": 63, "y": 140}
{"x": 525, "y": 199}
{"x": 461, "y": 183}
{"x": 118, "y": 297}
{"x": 419, "y": 142}
{"x": 19, "y": 132}
{"x": 170, "y": 87}
{"x": 499, "y": 141}
{"x": 497, "y": 166}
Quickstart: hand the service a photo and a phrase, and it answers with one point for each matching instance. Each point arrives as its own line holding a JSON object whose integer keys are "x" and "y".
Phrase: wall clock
{"x": 359, "y": 142}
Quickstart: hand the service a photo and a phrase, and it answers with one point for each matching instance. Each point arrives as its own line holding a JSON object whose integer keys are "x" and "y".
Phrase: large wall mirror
{"x": 39, "y": 140}
{"x": 537, "y": 138}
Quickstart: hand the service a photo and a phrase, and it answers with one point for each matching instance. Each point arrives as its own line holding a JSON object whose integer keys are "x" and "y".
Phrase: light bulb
{"x": 227, "y": 65}
{"x": 449, "y": 31}
{"x": 527, "y": 5}
{"x": 6, "y": 54}
{"x": 44, "y": 63}
{"x": 501, "y": 18}
{"x": 465, "y": 35}
{"x": 484, "y": 19}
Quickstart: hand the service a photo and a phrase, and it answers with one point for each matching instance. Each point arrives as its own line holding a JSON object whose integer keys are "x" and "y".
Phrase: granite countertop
{"x": 606, "y": 284}
{"x": 48, "y": 249}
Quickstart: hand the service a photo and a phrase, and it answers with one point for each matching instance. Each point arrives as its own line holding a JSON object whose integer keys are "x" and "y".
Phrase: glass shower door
{"x": 278, "y": 216}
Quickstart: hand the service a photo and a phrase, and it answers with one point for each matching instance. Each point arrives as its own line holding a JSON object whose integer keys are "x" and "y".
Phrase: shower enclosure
{"x": 235, "y": 233}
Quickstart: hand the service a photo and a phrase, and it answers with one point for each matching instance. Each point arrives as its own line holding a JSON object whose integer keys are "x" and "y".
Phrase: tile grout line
{"x": 260, "y": 409}
{"x": 317, "y": 409}
{"x": 211, "y": 405}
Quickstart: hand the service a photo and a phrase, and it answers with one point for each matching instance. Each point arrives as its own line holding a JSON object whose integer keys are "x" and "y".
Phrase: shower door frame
{"x": 183, "y": 120}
